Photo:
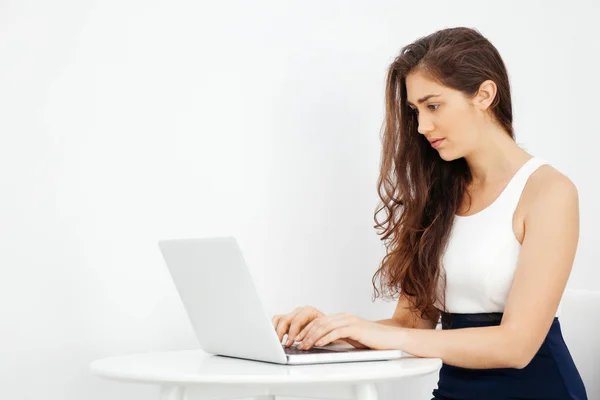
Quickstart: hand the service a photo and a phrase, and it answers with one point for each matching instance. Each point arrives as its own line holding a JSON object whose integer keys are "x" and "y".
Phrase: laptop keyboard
{"x": 313, "y": 350}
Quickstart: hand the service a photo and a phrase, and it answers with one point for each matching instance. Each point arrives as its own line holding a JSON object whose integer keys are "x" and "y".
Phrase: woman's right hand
{"x": 293, "y": 322}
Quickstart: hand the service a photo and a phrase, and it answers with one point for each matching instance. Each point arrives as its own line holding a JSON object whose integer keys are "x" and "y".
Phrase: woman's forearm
{"x": 477, "y": 348}
{"x": 390, "y": 322}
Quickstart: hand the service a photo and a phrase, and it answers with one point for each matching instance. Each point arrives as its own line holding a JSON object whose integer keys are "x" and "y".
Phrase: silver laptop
{"x": 226, "y": 312}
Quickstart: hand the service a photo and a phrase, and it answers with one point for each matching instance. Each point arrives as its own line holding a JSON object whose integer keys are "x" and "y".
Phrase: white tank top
{"x": 482, "y": 252}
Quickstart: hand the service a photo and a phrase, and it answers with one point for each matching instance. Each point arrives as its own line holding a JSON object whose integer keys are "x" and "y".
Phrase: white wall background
{"x": 126, "y": 122}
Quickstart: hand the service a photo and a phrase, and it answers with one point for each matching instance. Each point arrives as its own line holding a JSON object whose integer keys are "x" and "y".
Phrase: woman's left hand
{"x": 327, "y": 329}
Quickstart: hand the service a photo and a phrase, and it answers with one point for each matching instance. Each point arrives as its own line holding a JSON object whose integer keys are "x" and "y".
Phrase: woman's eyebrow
{"x": 424, "y": 99}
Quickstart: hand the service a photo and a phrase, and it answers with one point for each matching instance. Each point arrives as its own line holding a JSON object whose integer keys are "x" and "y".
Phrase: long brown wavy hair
{"x": 420, "y": 191}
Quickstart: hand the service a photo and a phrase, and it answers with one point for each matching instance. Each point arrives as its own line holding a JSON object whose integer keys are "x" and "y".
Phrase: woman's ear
{"x": 486, "y": 94}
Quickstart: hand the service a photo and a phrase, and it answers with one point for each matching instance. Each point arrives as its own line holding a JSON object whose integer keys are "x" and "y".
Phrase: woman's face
{"x": 447, "y": 115}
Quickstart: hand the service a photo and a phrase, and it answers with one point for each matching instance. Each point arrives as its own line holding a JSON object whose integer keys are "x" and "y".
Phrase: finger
{"x": 332, "y": 336}
{"x": 279, "y": 324}
{"x": 275, "y": 320}
{"x": 284, "y": 323}
{"x": 321, "y": 329}
{"x": 282, "y": 327}
{"x": 319, "y": 320}
{"x": 317, "y": 325}
{"x": 307, "y": 328}
{"x": 303, "y": 318}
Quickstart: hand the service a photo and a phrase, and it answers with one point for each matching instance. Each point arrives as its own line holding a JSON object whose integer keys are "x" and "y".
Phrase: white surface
{"x": 126, "y": 121}
{"x": 196, "y": 366}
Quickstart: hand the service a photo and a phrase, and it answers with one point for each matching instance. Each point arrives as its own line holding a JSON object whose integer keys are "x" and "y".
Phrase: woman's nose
{"x": 425, "y": 128}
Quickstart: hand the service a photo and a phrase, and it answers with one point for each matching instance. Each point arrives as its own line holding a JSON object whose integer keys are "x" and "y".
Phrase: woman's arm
{"x": 544, "y": 265}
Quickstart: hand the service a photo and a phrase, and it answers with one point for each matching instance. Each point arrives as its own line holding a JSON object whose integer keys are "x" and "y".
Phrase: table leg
{"x": 365, "y": 391}
{"x": 169, "y": 392}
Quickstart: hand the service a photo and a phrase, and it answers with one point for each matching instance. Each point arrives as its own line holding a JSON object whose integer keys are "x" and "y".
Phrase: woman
{"x": 479, "y": 233}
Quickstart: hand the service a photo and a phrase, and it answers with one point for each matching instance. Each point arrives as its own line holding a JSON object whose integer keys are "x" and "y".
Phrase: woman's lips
{"x": 436, "y": 143}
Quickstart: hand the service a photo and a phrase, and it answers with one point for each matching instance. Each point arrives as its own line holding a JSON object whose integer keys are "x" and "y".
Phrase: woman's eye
{"x": 416, "y": 111}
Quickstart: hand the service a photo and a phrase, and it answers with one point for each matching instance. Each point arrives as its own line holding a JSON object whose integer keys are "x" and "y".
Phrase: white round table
{"x": 217, "y": 377}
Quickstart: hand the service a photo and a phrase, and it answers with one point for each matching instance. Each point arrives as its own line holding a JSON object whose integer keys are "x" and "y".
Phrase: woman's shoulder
{"x": 547, "y": 181}
{"x": 548, "y": 177}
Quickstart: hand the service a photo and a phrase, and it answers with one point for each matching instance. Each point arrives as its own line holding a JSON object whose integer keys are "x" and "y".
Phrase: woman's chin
{"x": 446, "y": 155}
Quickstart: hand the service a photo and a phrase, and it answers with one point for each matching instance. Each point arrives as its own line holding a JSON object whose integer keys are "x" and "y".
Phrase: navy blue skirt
{"x": 551, "y": 374}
